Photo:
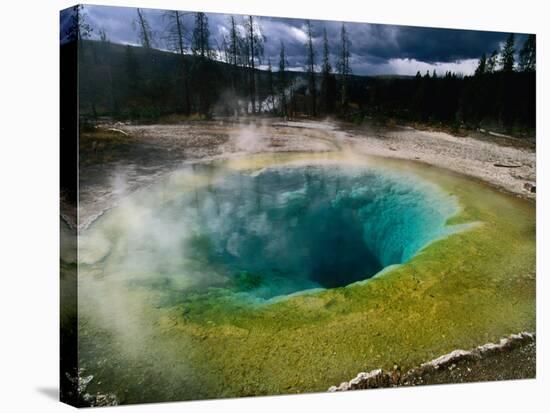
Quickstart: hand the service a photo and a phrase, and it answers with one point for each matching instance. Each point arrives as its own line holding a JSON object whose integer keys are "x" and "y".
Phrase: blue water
{"x": 289, "y": 229}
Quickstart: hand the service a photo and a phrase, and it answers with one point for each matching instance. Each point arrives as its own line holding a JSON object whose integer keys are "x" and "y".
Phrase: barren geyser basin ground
{"x": 238, "y": 259}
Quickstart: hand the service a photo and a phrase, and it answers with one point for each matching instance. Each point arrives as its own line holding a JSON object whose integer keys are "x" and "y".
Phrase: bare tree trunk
{"x": 312, "y": 88}
{"x": 144, "y": 30}
{"x": 252, "y": 64}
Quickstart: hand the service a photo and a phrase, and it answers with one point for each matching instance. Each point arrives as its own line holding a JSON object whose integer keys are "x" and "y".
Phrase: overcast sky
{"x": 375, "y": 48}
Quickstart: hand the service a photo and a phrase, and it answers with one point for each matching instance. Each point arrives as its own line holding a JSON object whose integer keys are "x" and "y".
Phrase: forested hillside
{"x": 194, "y": 78}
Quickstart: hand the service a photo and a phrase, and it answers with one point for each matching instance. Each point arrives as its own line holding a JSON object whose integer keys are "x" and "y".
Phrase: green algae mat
{"x": 290, "y": 273}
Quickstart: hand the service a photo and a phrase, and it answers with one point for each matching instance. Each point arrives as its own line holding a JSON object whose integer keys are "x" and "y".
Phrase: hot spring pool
{"x": 290, "y": 273}
{"x": 275, "y": 231}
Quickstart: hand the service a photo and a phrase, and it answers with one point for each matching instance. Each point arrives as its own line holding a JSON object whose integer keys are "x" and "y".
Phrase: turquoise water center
{"x": 269, "y": 232}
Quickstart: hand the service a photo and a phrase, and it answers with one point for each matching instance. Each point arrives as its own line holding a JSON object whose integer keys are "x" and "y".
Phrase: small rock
{"x": 396, "y": 375}
{"x": 530, "y": 187}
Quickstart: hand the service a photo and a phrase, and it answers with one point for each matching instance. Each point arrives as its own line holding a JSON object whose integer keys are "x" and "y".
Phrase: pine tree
{"x": 481, "y": 66}
{"x": 492, "y": 62}
{"x": 507, "y": 54}
{"x": 528, "y": 55}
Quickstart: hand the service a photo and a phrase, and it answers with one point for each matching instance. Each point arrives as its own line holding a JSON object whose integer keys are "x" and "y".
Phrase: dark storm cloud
{"x": 375, "y": 48}
{"x": 430, "y": 44}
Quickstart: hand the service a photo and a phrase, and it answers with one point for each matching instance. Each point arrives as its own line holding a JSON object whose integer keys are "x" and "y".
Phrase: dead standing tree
{"x": 201, "y": 66}
{"x": 344, "y": 69}
{"x": 310, "y": 69}
{"x": 79, "y": 28}
{"x": 234, "y": 45}
{"x": 282, "y": 81}
{"x": 150, "y": 73}
{"x": 233, "y": 52}
{"x": 255, "y": 45}
{"x": 328, "y": 84}
{"x": 175, "y": 30}
{"x": 270, "y": 101}
{"x": 201, "y": 37}
{"x": 144, "y": 30}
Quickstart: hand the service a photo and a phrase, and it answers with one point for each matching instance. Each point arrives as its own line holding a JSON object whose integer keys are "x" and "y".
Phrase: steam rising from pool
{"x": 273, "y": 232}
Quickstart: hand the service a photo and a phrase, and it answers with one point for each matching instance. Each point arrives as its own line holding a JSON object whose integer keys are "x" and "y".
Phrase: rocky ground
{"x": 513, "y": 358}
{"x": 504, "y": 162}
{"x": 118, "y": 158}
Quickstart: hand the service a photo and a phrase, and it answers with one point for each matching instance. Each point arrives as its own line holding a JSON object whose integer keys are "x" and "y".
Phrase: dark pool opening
{"x": 319, "y": 244}
{"x": 289, "y": 229}
{"x": 338, "y": 254}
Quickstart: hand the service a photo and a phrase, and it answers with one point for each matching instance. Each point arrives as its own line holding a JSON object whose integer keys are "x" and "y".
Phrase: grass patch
{"x": 99, "y": 146}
